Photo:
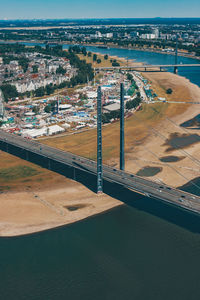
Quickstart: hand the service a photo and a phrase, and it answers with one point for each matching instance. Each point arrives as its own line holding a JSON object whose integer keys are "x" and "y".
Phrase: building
{"x": 156, "y": 33}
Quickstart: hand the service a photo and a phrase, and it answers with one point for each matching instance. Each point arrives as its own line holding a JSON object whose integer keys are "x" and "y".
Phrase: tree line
{"x": 107, "y": 117}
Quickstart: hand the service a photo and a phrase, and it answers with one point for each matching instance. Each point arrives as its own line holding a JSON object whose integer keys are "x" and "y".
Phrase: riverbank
{"x": 38, "y": 209}
{"x": 159, "y": 51}
{"x": 167, "y": 137}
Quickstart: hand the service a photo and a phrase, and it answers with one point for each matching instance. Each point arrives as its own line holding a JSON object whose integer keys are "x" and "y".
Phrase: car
{"x": 180, "y": 199}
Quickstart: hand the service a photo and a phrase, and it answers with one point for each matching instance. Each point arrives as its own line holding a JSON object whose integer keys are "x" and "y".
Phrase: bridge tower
{"x": 99, "y": 143}
{"x": 121, "y": 126}
{"x": 176, "y": 56}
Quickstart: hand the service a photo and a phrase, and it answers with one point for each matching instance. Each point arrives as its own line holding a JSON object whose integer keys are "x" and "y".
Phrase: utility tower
{"x": 121, "y": 126}
{"x": 176, "y": 56}
{"x": 99, "y": 143}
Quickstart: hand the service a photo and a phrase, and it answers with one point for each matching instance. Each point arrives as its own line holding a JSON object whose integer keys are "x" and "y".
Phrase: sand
{"x": 153, "y": 148}
{"x": 32, "y": 211}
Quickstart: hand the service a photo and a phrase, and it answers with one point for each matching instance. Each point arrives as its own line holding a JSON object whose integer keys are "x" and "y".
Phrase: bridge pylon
{"x": 176, "y": 56}
{"x": 99, "y": 143}
{"x": 121, "y": 126}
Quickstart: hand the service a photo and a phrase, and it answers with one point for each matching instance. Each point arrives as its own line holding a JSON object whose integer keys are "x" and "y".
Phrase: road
{"x": 133, "y": 67}
{"x": 149, "y": 188}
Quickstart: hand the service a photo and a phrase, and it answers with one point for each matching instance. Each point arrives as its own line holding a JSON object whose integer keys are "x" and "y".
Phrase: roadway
{"x": 143, "y": 186}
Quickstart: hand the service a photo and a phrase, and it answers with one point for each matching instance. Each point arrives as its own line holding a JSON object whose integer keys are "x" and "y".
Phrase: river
{"x": 142, "y": 250}
{"x": 124, "y": 254}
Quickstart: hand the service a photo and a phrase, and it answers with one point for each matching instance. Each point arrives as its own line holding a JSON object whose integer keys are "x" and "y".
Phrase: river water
{"x": 143, "y": 250}
{"x": 123, "y": 254}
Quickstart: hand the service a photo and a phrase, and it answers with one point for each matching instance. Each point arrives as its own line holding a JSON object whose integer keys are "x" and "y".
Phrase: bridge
{"x": 55, "y": 159}
{"x": 146, "y": 67}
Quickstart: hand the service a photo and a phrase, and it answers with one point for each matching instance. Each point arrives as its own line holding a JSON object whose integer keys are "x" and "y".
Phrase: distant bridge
{"x": 146, "y": 67}
{"x": 58, "y": 160}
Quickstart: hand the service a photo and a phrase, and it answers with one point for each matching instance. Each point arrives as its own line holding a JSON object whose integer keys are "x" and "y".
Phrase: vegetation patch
{"x": 149, "y": 171}
{"x": 13, "y": 173}
{"x": 171, "y": 158}
{"x": 179, "y": 141}
{"x": 75, "y": 207}
{"x": 192, "y": 122}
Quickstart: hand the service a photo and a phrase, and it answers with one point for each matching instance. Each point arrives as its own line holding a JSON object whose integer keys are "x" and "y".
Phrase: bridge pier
{"x": 27, "y": 156}
{"x": 49, "y": 164}
{"x": 74, "y": 174}
{"x": 175, "y": 70}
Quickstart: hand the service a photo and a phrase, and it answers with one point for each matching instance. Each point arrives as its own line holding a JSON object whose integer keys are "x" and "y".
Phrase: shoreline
{"x": 109, "y": 46}
{"x": 23, "y": 213}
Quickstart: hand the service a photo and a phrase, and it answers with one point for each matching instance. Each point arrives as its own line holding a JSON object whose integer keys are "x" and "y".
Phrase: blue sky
{"x": 29, "y": 9}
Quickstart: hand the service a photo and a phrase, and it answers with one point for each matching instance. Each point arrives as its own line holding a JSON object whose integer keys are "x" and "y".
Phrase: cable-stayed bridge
{"x": 145, "y": 68}
{"x": 55, "y": 159}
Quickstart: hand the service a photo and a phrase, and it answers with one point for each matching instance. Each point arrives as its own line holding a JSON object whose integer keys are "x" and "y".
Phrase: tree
{"x": 9, "y": 91}
{"x": 84, "y": 51}
{"x": 47, "y": 109}
{"x": 60, "y": 70}
{"x": 106, "y": 57}
{"x": 89, "y": 54}
{"x": 49, "y": 89}
{"x": 129, "y": 76}
{"x": 98, "y": 60}
{"x": 23, "y": 62}
{"x": 115, "y": 64}
{"x": 94, "y": 57}
{"x": 40, "y": 92}
{"x": 35, "y": 69}
{"x": 36, "y": 109}
{"x": 169, "y": 91}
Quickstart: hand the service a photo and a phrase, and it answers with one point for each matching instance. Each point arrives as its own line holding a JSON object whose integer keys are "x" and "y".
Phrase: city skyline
{"x": 62, "y": 9}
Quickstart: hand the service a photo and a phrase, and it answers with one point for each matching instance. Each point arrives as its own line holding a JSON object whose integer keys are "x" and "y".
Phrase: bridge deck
{"x": 146, "y": 67}
{"x": 149, "y": 188}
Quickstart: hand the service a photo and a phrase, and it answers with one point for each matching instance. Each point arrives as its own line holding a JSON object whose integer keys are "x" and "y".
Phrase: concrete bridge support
{"x": 175, "y": 70}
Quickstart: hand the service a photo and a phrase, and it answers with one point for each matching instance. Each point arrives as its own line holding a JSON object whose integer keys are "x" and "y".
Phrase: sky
{"x": 56, "y": 9}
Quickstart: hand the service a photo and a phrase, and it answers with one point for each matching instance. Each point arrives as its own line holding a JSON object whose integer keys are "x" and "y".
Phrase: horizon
{"x": 91, "y": 18}
{"x": 68, "y": 9}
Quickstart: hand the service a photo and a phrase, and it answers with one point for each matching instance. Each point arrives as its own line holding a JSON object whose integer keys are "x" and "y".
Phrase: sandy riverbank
{"x": 36, "y": 210}
{"x": 149, "y": 152}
